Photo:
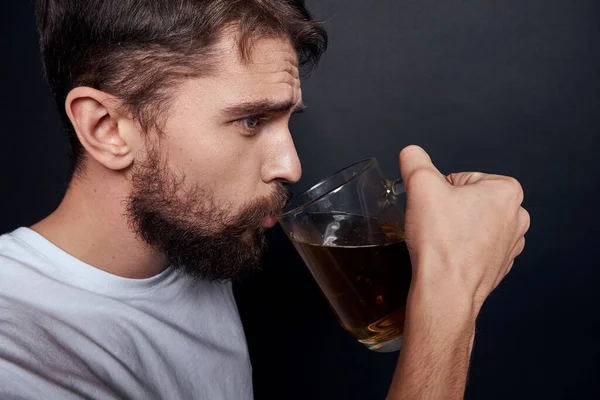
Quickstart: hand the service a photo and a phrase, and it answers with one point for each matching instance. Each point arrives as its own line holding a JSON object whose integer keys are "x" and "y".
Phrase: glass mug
{"x": 349, "y": 231}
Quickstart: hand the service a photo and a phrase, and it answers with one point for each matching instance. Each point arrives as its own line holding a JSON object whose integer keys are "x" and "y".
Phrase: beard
{"x": 195, "y": 233}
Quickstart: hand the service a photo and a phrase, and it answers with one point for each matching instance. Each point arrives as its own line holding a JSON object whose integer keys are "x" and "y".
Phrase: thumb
{"x": 414, "y": 158}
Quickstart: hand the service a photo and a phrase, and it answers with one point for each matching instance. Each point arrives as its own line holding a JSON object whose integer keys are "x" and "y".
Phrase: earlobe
{"x": 101, "y": 128}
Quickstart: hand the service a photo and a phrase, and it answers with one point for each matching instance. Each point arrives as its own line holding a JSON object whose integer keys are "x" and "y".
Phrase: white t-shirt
{"x": 70, "y": 331}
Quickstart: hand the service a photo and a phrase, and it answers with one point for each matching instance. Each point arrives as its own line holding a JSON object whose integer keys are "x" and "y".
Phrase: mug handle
{"x": 395, "y": 193}
{"x": 397, "y": 187}
{"x": 394, "y": 188}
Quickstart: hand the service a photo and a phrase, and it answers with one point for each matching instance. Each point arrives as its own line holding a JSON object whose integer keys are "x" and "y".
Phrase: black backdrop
{"x": 510, "y": 87}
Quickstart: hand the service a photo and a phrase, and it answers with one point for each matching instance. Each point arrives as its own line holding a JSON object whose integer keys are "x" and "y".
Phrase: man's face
{"x": 205, "y": 191}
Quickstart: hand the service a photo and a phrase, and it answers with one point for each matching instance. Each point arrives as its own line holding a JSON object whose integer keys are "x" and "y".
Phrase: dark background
{"x": 510, "y": 87}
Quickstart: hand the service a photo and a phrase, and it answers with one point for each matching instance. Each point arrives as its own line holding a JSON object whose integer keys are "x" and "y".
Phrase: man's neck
{"x": 91, "y": 225}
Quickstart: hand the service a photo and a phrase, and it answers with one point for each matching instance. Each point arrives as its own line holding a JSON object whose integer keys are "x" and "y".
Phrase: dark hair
{"x": 137, "y": 50}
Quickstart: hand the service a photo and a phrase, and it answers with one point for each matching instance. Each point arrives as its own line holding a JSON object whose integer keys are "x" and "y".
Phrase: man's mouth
{"x": 270, "y": 221}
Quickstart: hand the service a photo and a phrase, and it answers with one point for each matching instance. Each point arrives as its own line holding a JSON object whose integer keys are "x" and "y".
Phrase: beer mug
{"x": 349, "y": 230}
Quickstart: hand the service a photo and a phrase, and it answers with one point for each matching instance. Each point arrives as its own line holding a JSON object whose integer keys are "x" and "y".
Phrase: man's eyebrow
{"x": 263, "y": 107}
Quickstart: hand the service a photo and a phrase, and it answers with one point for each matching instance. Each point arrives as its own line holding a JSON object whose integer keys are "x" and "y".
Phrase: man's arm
{"x": 436, "y": 349}
{"x": 463, "y": 233}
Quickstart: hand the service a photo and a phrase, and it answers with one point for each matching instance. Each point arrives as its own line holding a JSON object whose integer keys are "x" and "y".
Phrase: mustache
{"x": 274, "y": 203}
{"x": 285, "y": 195}
{"x": 254, "y": 213}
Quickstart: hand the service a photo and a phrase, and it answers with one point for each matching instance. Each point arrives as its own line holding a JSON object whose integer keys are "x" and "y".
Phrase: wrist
{"x": 438, "y": 339}
{"x": 441, "y": 307}
{"x": 438, "y": 293}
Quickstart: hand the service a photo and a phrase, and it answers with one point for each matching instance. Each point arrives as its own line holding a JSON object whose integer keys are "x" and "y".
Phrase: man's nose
{"x": 281, "y": 162}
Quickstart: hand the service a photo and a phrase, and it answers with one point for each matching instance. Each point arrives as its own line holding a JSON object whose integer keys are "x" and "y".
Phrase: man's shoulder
{"x": 15, "y": 253}
{"x": 12, "y": 242}
{"x": 6, "y": 243}
{"x": 22, "y": 283}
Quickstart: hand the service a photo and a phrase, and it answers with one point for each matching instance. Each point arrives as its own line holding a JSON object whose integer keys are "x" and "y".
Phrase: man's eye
{"x": 251, "y": 123}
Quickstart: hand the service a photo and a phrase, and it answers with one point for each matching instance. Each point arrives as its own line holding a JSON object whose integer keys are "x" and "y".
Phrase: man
{"x": 177, "y": 113}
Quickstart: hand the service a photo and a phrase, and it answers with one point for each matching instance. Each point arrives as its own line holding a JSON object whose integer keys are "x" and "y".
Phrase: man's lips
{"x": 270, "y": 221}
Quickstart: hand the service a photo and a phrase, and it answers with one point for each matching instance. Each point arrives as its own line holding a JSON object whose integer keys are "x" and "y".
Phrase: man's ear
{"x": 109, "y": 136}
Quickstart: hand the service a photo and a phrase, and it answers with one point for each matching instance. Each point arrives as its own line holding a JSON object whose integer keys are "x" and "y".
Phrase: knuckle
{"x": 526, "y": 219}
{"x": 419, "y": 177}
{"x": 509, "y": 267}
{"x": 520, "y": 250}
{"x": 513, "y": 188}
{"x": 513, "y": 184}
{"x": 521, "y": 245}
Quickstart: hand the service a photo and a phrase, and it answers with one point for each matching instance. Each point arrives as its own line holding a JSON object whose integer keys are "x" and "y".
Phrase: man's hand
{"x": 463, "y": 232}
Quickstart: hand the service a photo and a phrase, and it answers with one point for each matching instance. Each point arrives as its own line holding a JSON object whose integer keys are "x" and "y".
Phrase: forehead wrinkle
{"x": 278, "y": 66}
{"x": 276, "y": 78}
{"x": 229, "y": 47}
{"x": 272, "y": 73}
{"x": 289, "y": 54}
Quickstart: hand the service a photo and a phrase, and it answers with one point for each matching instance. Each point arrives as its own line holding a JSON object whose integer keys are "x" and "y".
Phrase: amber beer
{"x": 363, "y": 268}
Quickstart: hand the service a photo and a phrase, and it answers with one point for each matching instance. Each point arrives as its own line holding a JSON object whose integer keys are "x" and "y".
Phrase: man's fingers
{"x": 414, "y": 158}
{"x": 524, "y": 221}
{"x": 465, "y": 178}
{"x": 503, "y": 272}
{"x": 512, "y": 263}
{"x": 516, "y": 251}
{"x": 519, "y": 247}
{"x": 468, "y": 178}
